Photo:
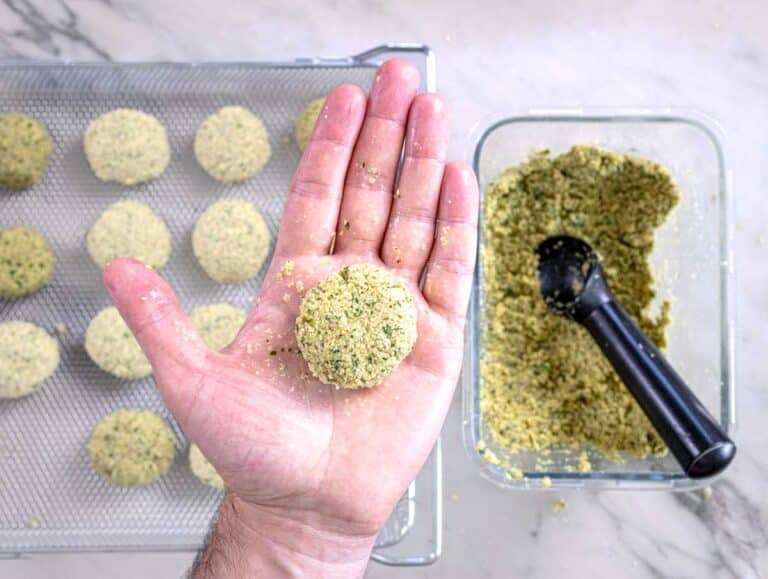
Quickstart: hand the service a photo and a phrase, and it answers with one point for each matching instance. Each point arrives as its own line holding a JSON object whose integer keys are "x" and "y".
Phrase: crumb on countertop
{"x": 584, "y": 464}
{"x": 559, "y": 505}
{"x": 513, "y": 473}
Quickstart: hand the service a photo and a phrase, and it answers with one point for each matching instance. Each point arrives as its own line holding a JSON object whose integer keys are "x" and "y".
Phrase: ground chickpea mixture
{"x": 129, "y": 229}
{"x": 28, "y": 357}
{"x": 131, "y": 447}
{"x": 26, "y": 262}
{"x": 203, "y": 469}
{"x": 127, "y": 146}
{"x": 356, "y": 326}
{"x": 305, "y": 124}
{"x": 217, "y": 324}
{"x": 25, "y": 148}
{"x": 545, "y": 384}
{"x": 231, "y": 240}
{"x": 113, "y": 348}
{"x": 232, "y": 145}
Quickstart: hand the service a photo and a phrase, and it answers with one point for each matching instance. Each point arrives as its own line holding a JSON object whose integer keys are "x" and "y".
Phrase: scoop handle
{"x": 696, "y": 440}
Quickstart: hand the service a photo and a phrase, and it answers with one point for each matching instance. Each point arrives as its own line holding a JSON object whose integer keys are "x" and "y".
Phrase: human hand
{"x": 314, "y": 471}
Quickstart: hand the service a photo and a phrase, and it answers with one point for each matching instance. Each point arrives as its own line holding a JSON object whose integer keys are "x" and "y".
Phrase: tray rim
{"x": 369, "y": 58}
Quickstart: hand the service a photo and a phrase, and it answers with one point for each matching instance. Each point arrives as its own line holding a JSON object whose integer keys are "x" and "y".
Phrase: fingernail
{"x": 119, "y": 272}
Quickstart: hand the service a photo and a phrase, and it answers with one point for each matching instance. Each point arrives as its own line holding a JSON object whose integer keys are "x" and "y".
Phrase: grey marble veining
{"x": 500, "y": 56}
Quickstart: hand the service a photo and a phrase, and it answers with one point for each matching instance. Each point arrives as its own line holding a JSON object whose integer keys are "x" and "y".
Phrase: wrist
{"x": 252, "y": 540}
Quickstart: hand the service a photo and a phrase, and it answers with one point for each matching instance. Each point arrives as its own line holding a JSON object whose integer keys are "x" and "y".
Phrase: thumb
{"x": 153, "y": 313}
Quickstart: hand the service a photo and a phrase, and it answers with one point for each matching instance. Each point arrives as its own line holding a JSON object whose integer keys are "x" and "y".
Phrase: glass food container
{"x": 693, "y": 268}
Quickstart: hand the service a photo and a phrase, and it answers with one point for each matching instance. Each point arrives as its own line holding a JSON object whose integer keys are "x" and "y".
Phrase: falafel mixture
{"x": 232, "y": 145}
{"x": 129, "y": 229}
{"x": 26, "y": 262}
{"x": 131, "y": 447}
{"x": 305, "y": 124}
{"x": 25, "y": 148}
{"x": 231, "y": 240}
{"x": 127, "y": 146}
{"x": 217, "y": 324}
{"x": 113, "y": 348}
{"x": 203, "y": 469}
{"x": 544, "y": 382}
{"x": 28, "y": 357}
{"x": 356, "y": 326}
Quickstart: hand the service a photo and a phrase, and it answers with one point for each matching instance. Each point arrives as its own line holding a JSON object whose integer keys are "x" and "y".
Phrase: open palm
{"x": 282, "y": 440}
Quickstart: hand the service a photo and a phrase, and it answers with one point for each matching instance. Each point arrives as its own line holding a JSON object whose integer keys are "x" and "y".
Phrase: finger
{"x": 368, "y": 187}
{"x": 312, "y": 207}
{"x": 411, "y": 229}
{"x": 452, "y": 261}
{"x": 152, "y": 312}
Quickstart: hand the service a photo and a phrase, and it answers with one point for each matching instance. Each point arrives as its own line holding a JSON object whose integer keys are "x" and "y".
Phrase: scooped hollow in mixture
{"x": 231, "y": 241}
{"x": 111, "y": 345}
{"x": 25, "y": 148}
{"x": 203, "y": 469}
{"x": 28, "y": 357}
{"x": 127, "y": 146}
{"x": 131, "y": 447}
{"x": 129, "y": 229}
{"x": 356, "y": 326}
{"x": 305, "y": 124}
{"x": 26, "y": 262}
{"x": 232, "y": 145}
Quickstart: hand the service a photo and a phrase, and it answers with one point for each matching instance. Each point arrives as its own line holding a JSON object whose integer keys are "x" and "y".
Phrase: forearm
{"x": 251, "y": 542}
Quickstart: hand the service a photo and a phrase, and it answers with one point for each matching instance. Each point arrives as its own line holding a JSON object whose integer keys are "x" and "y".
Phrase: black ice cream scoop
{"x": 573, "y": 285}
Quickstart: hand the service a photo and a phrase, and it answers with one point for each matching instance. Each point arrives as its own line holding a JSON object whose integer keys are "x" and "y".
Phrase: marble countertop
{"x": 709, "y": 55}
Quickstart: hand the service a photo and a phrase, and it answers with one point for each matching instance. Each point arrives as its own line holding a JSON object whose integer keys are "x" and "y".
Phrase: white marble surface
{"x": 497, "y": 55}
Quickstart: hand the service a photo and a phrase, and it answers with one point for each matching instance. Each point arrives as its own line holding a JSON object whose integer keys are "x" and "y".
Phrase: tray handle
{"x": 436, "y": 539}
{"x": 421, "y": 54}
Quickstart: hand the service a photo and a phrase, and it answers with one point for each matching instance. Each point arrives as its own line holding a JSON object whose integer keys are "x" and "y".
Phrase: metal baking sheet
{"x": 50, "y": 499}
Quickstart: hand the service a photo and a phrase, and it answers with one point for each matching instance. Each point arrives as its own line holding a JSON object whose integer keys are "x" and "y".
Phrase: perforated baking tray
{"x": 50, "y": 499}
